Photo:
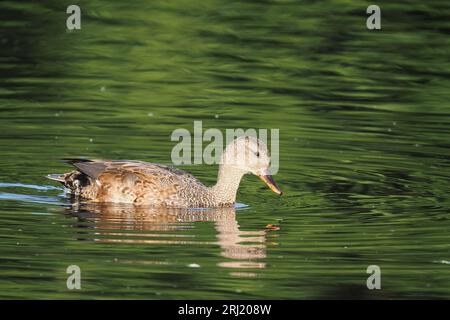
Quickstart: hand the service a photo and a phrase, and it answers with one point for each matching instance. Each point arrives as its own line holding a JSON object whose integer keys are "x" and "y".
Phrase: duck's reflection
{"x": 128, "y": 224}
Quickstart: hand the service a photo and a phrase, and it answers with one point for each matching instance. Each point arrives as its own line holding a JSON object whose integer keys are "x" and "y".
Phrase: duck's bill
{"x": 271, "y": 183}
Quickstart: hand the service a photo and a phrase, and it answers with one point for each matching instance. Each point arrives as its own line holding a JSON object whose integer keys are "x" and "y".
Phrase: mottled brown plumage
{"x": 150, "y": 184}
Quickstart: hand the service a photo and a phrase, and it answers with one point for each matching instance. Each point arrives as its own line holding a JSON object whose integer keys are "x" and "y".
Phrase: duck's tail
{"x": 57, "y": 177}
{"x": 75, "y": 181}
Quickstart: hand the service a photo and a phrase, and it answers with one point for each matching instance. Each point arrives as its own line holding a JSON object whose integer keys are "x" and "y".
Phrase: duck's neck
{"x": 227, "y": 184}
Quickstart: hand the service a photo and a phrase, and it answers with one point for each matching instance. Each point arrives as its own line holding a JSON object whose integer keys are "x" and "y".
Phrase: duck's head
{"x": 250, "y": 155}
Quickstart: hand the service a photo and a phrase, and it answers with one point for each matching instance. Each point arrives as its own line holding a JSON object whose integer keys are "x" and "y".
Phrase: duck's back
{"x": 136, "y": 182}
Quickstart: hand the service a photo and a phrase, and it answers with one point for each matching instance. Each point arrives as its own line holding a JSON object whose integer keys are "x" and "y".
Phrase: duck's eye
{"x": 257, "y": 154}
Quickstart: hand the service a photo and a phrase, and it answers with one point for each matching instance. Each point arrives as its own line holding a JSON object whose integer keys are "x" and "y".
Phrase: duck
{"x": 156, "y": 185}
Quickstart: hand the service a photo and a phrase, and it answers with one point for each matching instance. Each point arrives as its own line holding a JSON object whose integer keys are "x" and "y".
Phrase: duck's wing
{"x": 91, "y": 168}
{"x": 118, "y": 171}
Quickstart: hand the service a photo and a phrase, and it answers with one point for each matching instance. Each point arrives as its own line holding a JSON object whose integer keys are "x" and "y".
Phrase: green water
{"x": 364, "y": 120}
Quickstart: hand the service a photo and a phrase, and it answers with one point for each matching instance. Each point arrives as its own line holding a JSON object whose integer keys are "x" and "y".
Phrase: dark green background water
{"x": 364, "y": 122}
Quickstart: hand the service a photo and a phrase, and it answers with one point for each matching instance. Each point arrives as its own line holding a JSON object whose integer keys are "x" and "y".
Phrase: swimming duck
{"x": 157, "y": 185}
